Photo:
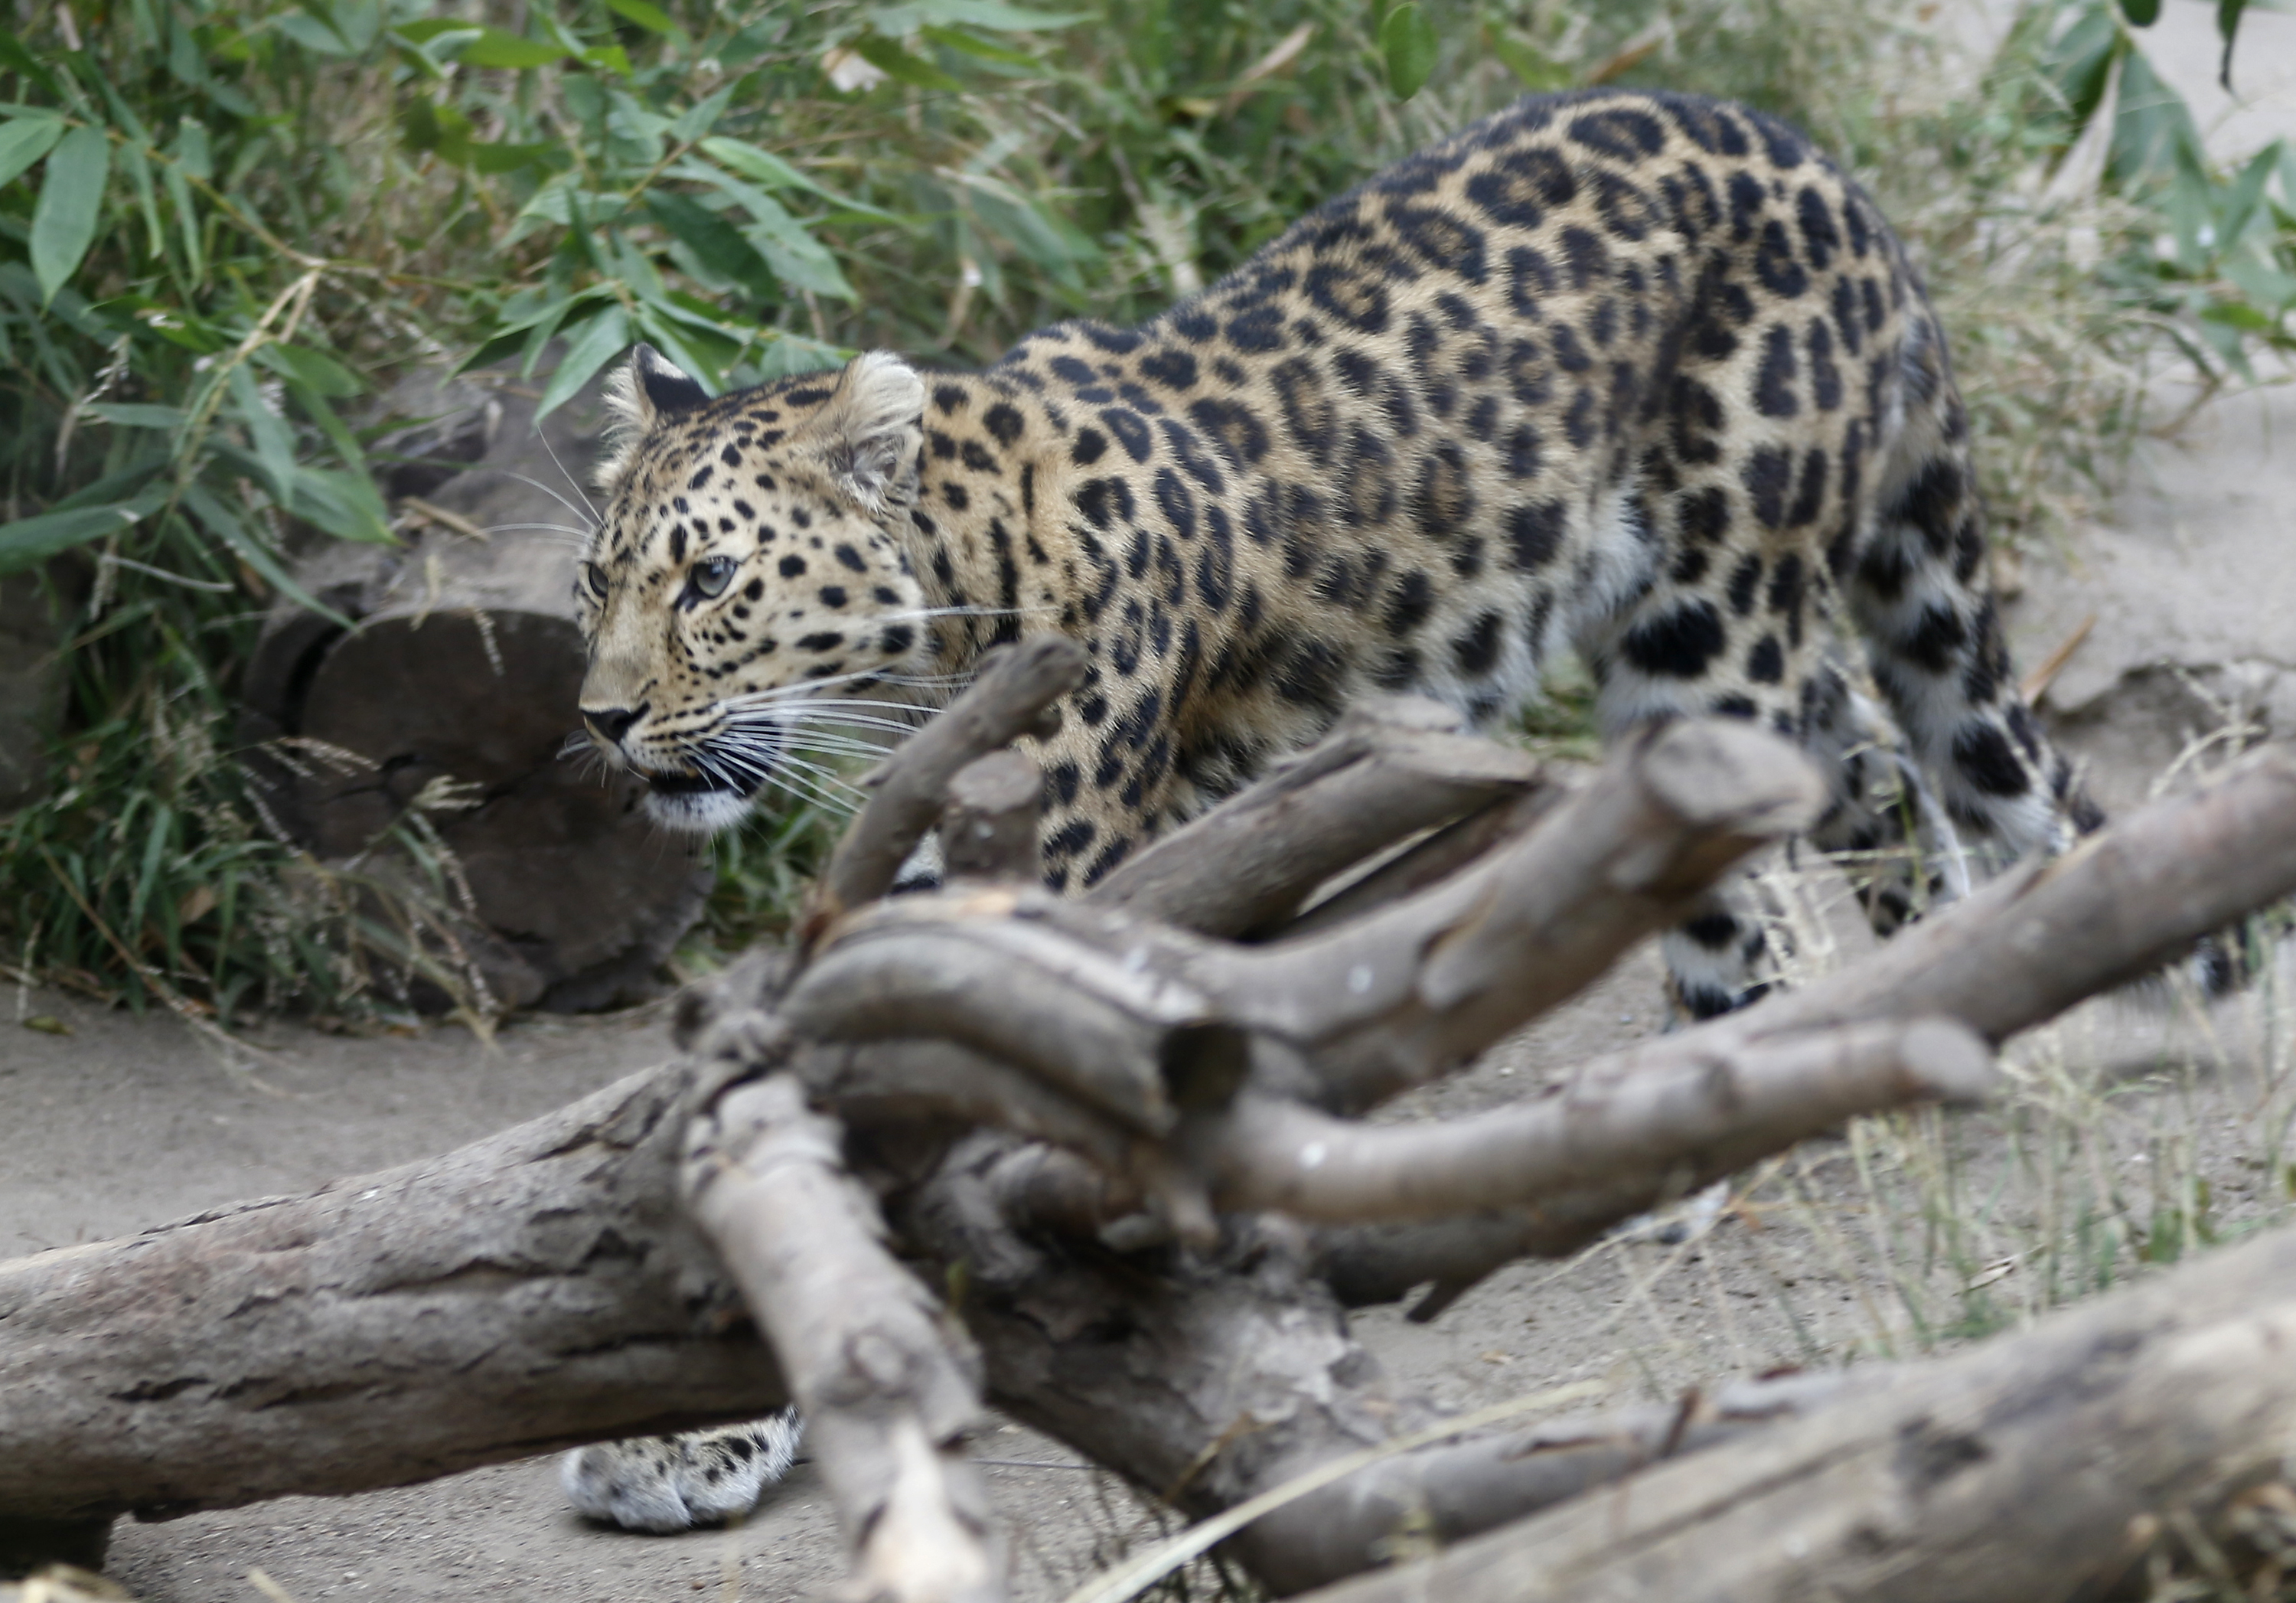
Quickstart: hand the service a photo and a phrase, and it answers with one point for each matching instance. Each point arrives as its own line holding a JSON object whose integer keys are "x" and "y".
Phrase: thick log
{"x": 2037, "y": 1466}
{"x": 537, "y": 1289}
{"x": 1202, "y": 1380}
{"x": 887, "y": 1382}
{"x": 451, "y": 702}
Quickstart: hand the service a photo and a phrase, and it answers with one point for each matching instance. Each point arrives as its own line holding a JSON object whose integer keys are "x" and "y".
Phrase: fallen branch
{"x": 1012, "y": 695}
{"x": 1391, "y": 767}
{"x": 988, "y": 829}
{"x": 2022, "y": 950}
{"x": 1640, "y": 1114}
{"x": 884, "y": 1381}
{"x": 2038, "y": 1465}
{"x": 2132, "y": 897}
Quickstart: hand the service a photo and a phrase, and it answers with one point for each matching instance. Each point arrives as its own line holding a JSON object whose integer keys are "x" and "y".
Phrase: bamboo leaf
{"x": 30, "y": 541}
{"x": 1406, "y": 44}
{"x": 499, "y": 48}
{"x": 648, "y": 16}
{"x": 24, "y": 140}
{"x": 597, "y": 343}
{"x": 71, "y": 197}
{"x": 889, "y": 57}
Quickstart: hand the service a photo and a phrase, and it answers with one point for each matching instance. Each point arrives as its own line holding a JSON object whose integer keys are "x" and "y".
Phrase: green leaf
{"x": 122, "y": 414}
{"x": 30, "y": 541}
{"x": 965, "y": 44}
{"x": 702, "y": 116}
{"x": 499, "y": 48}
{"x": 1039, "y": 237}
{"x": 345, "y": 504}
{"x": 895, "y": 62}
{"x": 428, "y": 43}
{"x": 71, "y": 197}
{"x": 716, "y": 245}
{"x": 25, "y": 140}
{"x": 992, "y": 14}
{"x": 217, "y": 520}
{"x": 314, "y": 369}
{"x": 2244, "y": 194}
{"x": 1406, "y": 44}
{"x": 648, "y": 16}
{"x": 597, "y": 343}
{"x": 2079, "y": 64}
{"x": 775, "y": 173}
{"x": 795, "y": 256}
{"x": 2141, "y": 13}
{"x": 503, "y": 157}
{"x": 2228, "y": 13}
{"x": 682, "y": 352}
{"x": 2152, "y": 130}
{"x": 313, "y": 34}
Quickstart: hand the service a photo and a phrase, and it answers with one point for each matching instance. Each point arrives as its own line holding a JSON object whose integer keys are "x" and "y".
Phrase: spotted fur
{"x": 1636, "y": 374}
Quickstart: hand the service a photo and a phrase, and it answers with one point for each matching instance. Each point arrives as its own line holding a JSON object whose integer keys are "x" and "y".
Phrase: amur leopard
{"x": 1638, "y": 375}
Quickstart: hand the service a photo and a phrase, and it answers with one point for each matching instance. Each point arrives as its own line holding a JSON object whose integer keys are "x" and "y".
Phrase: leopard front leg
{"x": 668, "y": 1484}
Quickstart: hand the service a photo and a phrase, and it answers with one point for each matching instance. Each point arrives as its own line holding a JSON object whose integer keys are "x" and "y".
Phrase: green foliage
{"x": 223, "y": 224}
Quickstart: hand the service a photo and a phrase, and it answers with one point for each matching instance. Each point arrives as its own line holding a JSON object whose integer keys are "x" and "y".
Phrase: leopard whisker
{"x": 584, "y": 510}
{"x": 552, "y": 451}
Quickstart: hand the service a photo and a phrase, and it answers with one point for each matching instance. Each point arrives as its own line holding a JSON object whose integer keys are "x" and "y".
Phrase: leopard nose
{"x": 610, "y": 724}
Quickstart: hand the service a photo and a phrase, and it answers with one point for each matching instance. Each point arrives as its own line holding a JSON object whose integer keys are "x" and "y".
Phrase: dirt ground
{"x": 1883, "y": 1244}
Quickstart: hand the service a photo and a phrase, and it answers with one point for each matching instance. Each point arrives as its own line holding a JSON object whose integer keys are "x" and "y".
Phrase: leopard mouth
{"x": 697, "y": 785}
{"x": 705, "y": 798}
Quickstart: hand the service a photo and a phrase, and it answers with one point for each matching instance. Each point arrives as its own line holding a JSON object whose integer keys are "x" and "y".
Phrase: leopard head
{"x": 747, "y": 579}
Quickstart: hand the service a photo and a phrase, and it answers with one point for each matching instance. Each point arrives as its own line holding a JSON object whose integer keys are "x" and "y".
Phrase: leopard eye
{"x": 595, "y": 577}
{"x": 710, "y": 578}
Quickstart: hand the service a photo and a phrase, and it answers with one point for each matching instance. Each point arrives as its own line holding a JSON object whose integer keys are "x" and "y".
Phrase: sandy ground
{"x": 127, "y": 1121}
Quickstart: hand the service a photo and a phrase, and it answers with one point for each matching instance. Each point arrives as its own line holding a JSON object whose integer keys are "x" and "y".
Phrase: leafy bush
{"x": 225, "y": 223}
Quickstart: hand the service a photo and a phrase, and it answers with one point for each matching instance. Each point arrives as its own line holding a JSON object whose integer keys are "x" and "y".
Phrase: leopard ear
{"x": 871, "y": 429}
{"x": 650, "y": 389}
{"x": 646, "y": 390}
